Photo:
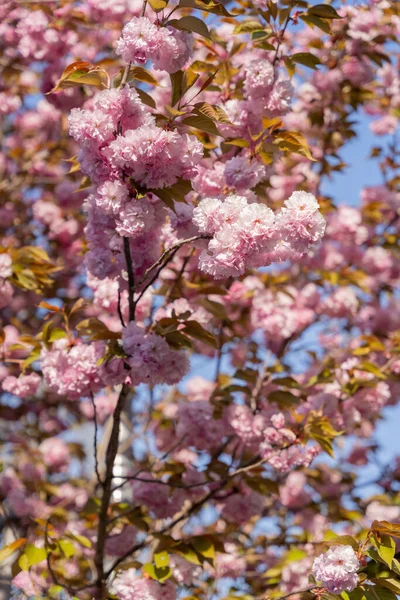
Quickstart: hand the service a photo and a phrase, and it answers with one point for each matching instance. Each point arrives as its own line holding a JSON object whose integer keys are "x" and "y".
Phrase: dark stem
{"x": 131, "y": 279}
{"x": 96, "y": 462}
{"x": 282, "y": 34}
{"x": 220, "y": 349}
{"x": 111, "y": 453}
{"x": 121, "y": 318}
{"x": 258, "y": 386}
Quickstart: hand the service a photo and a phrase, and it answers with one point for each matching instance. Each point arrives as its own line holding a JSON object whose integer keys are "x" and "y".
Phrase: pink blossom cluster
{"x": 168, "y": 48}
{"x": 242, "y": 506}
{"x": 127, "y": 585}
{"x": 72, "y": 371}
{"x": 23, "y": 386}
{"x": 150, "y": 358}
{"x": 266, "y": 89}
{"x": 6, "y": 290}
{"x": 119, "y": 139}
{"x": 283, "y": 314}
{"x": 154, "y": 157}
{"x": 337, "y": 569}
{"x": 250, "y": 235}
{"x": 158, "y": 498}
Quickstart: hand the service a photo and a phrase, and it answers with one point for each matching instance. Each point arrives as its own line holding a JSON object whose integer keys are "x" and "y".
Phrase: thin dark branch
{"x": 282, "y": 33}
{"x": 185, "y": 261}
{"x": 96, "y": 462}
{"x": 131, "y": 279}
{"x": 111, "y": 454}
{"x": 121, "y": 318}
{"x": 167, "y": 252}
{"x": 220, "y": 349}
{"x": 259, "y": 385}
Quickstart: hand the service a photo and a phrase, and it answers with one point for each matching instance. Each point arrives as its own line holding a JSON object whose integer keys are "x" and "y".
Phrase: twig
{"x": 166, "y": 253}
{"x": 258, "y": 386}
{"x": 220, "y": 348}
{"x": 111, "y": 454}
{"x": 313, "y": 587}
{"x": 164, "y": 259}
{"x": 282, "y": 33}
{"x": 96, "y": 462}
{"x": 185, "y": 261}
{"x": 121, "y": 318}
{"x": 131, "y": 279}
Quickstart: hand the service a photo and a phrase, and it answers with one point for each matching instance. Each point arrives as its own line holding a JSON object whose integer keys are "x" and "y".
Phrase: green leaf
{"x": 188, "y": 553}
{"x": 195, "y": 330}
{"x": 307, "y": 59}
{"x": 248, "y": 27}
{"x": 142, "y": 74}
{"x": 293, "y": 141}
{"x": 392, "y": 529}
{"x": 283, "y": 398}
{"x": 385, "y": 547}
{"x": 81, "y": 73}
{"x": 241, "y": 143}
{"x": 371, "y": 368}
{"x": 181, "y": 82}
{"x": 176, "y": 192}
{"x": 160, "y": 574}
{"x": 207, "y": 5}
{"x": 324, "y": 11}
{"x": 32, "y": 555}
{"x": 146, "y": 98}
{"x": 390, "y": 584}
{"x": 374, "y": 592}
{"x": 312, "y": 21}
{"x": 202, "y": 123}
{"x": 158, "y": 5}
{"x": 81, "y": 539}
{"x": 57, "y": 334}
{"x": 67, "y": 548}
{"x": 192, "y": 24}
{"x": 204, "y": 546}
{"x": 344, "y": 540}
{"x": 161, "y": 559}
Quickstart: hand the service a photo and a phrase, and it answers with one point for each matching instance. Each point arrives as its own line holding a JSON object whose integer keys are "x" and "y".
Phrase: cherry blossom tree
{"x": 197, "y": 340}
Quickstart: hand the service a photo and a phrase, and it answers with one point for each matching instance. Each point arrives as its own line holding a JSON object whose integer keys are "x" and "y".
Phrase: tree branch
{"x": 111, "y": 453}
{"x": 131, "y": 279}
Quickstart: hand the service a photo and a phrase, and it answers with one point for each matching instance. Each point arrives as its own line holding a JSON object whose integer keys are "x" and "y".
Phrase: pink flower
{"x": 71, "y": 372}
{"x": 154, "y": 157}
{"x": 129, "y": 586}
{"x": 337, "y": 569}
{"x": 6, "y": 293}
{"x": 5, "y": 265}
{"x": 299, "y": 222}
{"x": 385, "y": 125}
{"x": 259, "y": 79}
{"x": 168, "y": 48}
{"x": 342, "y": 303}
{"x": 292, "y": 493}
{"x": 98, "y": 122}
{"x": 151, "y": 359}
{"x": 111, "y": 196}
{"x": 140, "y": 38}
{"x": 174, "y": 51}
{"x": 23, "y": 386}
{"x": 136, "y": 218}
{"x": 55, "y": 453}
{"x": 242, "y": 173}
{"x": 242, "y": 506}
